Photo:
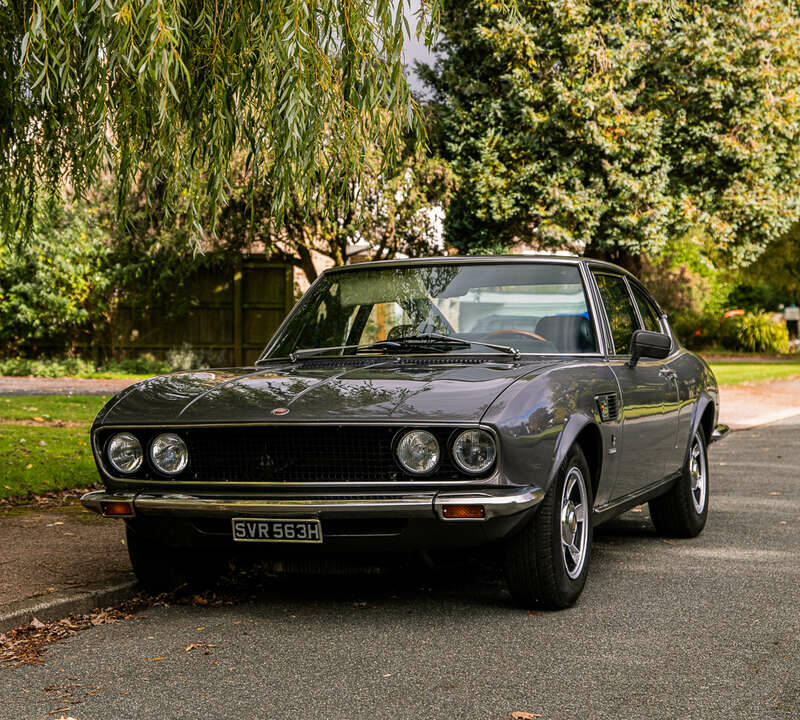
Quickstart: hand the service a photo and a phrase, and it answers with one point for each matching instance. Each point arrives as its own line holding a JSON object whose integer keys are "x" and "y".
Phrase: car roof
{"x": 483, "y": 259}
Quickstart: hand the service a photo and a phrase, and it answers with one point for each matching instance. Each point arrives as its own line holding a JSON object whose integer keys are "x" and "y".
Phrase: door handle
{"x": 668, "y": 373}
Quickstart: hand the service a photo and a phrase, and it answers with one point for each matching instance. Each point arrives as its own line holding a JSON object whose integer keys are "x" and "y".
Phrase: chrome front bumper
{"x": 719, "y": 432}
{"x": 501, "y": 502}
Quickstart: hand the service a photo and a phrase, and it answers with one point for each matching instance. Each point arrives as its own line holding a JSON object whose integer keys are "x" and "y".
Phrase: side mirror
{"x": 645, "y": 343}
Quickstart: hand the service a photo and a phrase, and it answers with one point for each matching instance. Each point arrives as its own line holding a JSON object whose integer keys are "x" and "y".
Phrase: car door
{"x": 676, "y": 410}
{"x": 648, "y": 432}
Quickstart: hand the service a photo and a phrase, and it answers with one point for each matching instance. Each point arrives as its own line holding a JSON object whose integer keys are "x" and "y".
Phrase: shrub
{"x": 755, "y": 332}
{"x": 696, "y": 330}
{"x": 186, "y": 357}
{"x": 54, "y": 285}
{"x": 60, "y": 367}
{"x": 146, "y": 364}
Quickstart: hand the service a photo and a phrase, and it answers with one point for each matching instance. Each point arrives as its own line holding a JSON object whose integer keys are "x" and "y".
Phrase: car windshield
{"x": 533, "y": 308}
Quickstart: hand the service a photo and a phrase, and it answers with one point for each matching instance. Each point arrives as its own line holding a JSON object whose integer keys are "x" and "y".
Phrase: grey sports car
{"x": 447, "y": 402}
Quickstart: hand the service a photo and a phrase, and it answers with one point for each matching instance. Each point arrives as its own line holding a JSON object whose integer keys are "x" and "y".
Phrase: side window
{"x": 619, "y": 308}
{"x": 646, "y": 310}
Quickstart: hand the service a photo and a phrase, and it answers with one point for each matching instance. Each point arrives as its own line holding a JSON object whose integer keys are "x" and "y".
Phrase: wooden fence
{"x": 231, "y": 315}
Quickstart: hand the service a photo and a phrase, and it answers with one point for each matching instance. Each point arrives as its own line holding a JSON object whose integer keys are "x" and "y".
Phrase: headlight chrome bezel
{"x": 404, "y": 436}
{"x": 464, "y": 467}
{"x": 176, "y": 440}
{"x": 127, "y": 436}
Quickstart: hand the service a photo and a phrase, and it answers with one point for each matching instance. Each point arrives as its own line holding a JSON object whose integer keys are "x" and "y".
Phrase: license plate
{"x": 275, "y": 530}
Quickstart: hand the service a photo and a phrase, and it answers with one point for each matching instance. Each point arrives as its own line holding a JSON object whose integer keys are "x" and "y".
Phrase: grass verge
{"x": 736, "y": 373}
{"x": 44, "y": 443}
{"x": 51, "y": 408}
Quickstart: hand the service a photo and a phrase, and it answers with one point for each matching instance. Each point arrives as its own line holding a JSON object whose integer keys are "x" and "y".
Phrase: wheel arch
{"x": 704, "y": 417}
{"x": 582, "y": 431}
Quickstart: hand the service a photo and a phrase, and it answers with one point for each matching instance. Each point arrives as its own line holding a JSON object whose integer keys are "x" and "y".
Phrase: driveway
{"x": 705, "y": 628}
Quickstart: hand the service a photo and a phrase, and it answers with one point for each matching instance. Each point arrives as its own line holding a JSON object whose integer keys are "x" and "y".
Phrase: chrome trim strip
{"x": 93, "y": 501}
{"x": 589, "y": 292}
{"x": 502, "y": 503}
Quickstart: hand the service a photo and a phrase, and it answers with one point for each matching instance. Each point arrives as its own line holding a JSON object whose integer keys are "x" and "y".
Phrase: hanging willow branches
{"x": 166, "y": 92}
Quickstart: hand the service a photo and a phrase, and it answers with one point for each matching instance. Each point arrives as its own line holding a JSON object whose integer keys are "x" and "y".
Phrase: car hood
{"x": 388, "y": 389}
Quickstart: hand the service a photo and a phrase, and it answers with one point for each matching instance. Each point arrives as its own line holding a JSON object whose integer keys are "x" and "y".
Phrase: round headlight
{"x": 474, "y": 451}
{"x": 169, "y": 454}
{"x": 125, "y": 452}
{"x": 418, "y": 452}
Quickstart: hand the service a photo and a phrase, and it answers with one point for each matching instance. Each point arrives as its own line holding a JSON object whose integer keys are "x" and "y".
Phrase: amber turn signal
{"x": 117, "y": 508}
{"x": 463, "y": 512}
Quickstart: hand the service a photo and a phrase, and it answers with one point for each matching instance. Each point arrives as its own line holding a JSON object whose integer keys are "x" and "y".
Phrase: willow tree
{"x": 164, "y": 93}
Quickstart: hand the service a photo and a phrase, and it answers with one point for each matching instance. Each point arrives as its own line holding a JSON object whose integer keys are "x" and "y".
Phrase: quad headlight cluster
{"x": 168, "y": 453}
{"x": 473, "y": 451}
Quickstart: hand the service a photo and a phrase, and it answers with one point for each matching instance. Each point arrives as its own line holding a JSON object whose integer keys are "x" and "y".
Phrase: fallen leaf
{"x": 775, "y": 493}
{"x": 668, "y": 542}
{"x": 195, "y": 645}
{"x": 534, "y": 612}
{"x": 36, "y": 623}
{"x": 520, "y": 715}
{"x": 157, "y": 659}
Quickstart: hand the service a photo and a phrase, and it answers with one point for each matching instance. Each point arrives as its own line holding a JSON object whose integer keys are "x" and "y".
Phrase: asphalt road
{"x": 705, "y": 628}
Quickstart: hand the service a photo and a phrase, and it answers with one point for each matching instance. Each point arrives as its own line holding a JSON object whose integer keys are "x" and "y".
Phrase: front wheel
{"x": 159, "y": 567}
{"x": 683, "y": 510}
{"x": 546, "y": 563}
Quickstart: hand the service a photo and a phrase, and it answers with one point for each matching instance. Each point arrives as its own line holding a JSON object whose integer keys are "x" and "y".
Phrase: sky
{"x": 414, "y": 49}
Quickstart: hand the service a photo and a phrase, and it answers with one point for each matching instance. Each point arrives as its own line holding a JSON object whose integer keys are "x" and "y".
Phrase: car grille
{"x": 297, "y": 454}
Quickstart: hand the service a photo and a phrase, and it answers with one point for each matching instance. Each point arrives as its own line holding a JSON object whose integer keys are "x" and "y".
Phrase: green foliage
{"x": 172, "y": 92}
{"x": 55, "y": 283}
{"x": 775, "y": 277}
{"x": 696, "y": 330}
{"x": 45, "y": 367}
{"x": 187, "y": 357}
{"x": 612, "y": 127}
{"x": 751, "y": 332}
{"x": 755, "y": 332}
{"x": 390, "y": 213}
{"x": 145, "y": 364}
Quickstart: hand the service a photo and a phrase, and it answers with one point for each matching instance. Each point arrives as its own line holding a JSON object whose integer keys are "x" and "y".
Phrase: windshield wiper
{"x": 310, "y": 352}
{"x": 425, "y": 341}
{"x": 436, "y": 338}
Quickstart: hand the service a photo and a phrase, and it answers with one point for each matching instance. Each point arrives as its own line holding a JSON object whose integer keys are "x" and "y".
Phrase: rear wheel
{"x": 547, "y": 562}
{"x": 682, "y": 512}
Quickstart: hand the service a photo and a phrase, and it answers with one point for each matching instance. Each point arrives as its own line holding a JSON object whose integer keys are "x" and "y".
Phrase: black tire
{"x": 539, "y": 568}
{"x": 160, "y": 567}
{"x": 683, "y": 510}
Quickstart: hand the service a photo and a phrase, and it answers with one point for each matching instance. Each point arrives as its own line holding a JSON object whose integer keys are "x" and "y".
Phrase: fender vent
{"x": 608, "y": 407}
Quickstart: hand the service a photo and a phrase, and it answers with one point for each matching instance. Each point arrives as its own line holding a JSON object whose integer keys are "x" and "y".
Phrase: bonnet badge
{"x": 280, "y": 411}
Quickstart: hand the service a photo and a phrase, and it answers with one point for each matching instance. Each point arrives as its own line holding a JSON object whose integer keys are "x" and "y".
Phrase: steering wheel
{"x": 515, "y": 331}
